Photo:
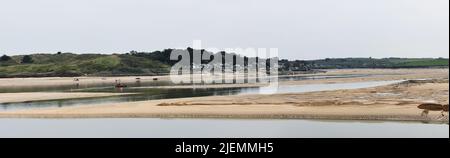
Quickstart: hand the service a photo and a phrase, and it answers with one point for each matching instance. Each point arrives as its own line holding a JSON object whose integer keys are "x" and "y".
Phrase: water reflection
{"x": 145, "y": 94}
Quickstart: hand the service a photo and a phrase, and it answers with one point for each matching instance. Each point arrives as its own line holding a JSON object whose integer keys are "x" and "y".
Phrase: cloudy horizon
{"x": 300, "y": 29}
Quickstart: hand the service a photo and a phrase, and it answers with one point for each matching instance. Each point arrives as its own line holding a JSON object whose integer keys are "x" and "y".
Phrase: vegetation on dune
{"x": 27, "y": 59}
{"x": 5, "y": 58}
{"x": 424, "y": 63}
{"x": 68, "y": 65}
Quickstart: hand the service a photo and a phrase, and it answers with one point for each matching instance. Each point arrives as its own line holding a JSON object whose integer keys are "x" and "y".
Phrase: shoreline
{"x": 7, "y": 98}
{"x": 312, "y": 118}
{"x": 319, "y": 119}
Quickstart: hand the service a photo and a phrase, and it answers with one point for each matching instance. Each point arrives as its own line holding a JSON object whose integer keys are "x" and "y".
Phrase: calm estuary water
{"x": 214, "y": 128}
{"x": 145, "y": 94}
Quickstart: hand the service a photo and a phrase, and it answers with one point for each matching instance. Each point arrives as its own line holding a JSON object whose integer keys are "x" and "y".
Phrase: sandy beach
{"x": 398, "y": 102}
{"x": 64, "y": 81}
{"x": 40, "y": 96}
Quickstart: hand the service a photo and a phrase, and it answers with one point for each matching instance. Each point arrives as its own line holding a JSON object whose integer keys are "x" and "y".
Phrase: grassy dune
{"x": 158, "y": 63}
{"x": 78, "y": 65}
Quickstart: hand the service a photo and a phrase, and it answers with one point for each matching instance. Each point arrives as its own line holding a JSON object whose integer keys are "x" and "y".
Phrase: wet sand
{"x": 388, "y": 103}
{"x": 68, "y": 81}
{"x": 40, "y": 96}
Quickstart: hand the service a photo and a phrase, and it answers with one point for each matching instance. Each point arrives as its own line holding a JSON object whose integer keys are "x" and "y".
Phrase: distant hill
{"x": 159, "y": 63}
{"x": 349, "y": 63}
{"x": 69, "y": 65}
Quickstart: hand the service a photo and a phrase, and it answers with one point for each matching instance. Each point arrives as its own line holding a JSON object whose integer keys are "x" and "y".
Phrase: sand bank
{"x": 39, "y": 96}
{"x": 67, "y": 81}
{"x": 376, "y": 75}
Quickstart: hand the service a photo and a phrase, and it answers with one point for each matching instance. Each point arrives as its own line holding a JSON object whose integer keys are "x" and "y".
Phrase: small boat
{"x": 119, "y": 85}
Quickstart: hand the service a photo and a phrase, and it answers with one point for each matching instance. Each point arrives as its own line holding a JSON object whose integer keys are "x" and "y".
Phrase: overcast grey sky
{"x": 301, "y": 29}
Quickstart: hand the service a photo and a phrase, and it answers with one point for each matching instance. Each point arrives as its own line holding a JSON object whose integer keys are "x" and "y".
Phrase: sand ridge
{"x": 41, "y": 96}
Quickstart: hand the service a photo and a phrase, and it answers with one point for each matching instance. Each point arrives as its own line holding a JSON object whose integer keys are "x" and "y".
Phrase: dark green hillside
{"x": 350, "y": 63}
{"x": 67, "y": 64}
{"x": 424, "y": 63}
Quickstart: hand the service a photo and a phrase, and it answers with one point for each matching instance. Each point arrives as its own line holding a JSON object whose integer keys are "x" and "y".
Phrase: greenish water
{"x": 145, "y": 94}
{"x": 144, "y": 91}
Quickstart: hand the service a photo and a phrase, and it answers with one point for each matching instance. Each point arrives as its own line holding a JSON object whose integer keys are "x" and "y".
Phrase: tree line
{"x": 27, "y": 59}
